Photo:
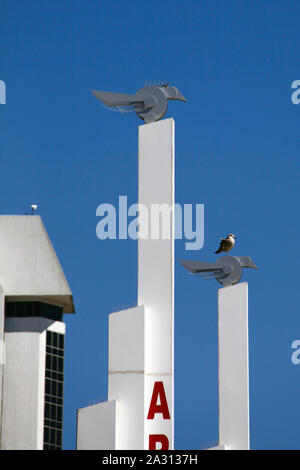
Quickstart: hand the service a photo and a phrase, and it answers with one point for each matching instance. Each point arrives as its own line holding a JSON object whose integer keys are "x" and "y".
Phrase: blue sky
{"x": 237, "y": 152}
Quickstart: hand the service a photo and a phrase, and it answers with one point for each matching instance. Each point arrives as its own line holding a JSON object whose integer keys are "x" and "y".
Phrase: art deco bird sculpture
{"x": 226, "y": 244}
{"x": 227, "y": 270}
{"x": 150, "y": 102}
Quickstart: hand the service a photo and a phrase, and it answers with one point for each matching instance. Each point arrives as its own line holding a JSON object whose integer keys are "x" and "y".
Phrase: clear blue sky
{"x": 237, "y": 152}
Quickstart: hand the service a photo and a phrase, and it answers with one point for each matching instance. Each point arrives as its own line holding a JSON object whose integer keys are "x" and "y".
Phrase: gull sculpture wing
{"x": 200, "y": 267}
{"x": 116, "y": 99}
{"x": 227, "y": 270}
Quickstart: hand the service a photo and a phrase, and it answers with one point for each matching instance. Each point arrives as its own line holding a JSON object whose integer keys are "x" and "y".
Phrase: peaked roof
{"x": 29, "y": 268}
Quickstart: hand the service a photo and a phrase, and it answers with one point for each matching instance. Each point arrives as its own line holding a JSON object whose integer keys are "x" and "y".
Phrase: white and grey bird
{"x": 226, "y": 244}
{"x": 33, "y": 208}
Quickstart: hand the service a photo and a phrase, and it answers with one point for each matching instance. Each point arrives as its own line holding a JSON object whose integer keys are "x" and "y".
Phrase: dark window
{"x": 33, "y": 309}
{"x": 53, "y": 413}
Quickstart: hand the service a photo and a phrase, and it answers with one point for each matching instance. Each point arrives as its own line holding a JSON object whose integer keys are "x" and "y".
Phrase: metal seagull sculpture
{"x": 227, "y": 270}
{"x": 150, "y": 102}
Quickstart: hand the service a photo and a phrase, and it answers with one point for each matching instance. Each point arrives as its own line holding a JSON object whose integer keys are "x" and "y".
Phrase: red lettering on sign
{"x": 158, "y": 391}
{"x": 154, "y": 438}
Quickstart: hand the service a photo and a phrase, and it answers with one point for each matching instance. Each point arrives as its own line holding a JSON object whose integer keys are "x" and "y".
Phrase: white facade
{"x": 23, "y": 383}
{"x": 29, "y": 272}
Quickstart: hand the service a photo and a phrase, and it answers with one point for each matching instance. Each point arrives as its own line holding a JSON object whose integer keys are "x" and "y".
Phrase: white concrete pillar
{"x": 233, "y": 367}
{"x": 156, "y": 278}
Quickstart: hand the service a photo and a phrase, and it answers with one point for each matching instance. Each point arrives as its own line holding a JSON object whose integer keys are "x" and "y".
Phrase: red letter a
{"x": 158, "y": 390}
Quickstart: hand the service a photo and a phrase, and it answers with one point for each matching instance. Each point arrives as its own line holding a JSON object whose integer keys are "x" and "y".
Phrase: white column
{"x": 233, "y": 367}
{"x": 156, "y": 280}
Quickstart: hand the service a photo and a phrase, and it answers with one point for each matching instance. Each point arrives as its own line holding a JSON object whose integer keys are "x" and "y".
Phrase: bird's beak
{"x": 180, "y": 97}
{"x": 173, "y": 93}
{"x": 252, "y": 265}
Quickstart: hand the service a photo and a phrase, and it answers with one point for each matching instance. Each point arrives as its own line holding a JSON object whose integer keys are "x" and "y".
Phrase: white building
{"x": 34, "y": 295}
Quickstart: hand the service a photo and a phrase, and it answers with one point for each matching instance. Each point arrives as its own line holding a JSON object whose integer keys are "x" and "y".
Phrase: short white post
{"x": 233, "y": 367}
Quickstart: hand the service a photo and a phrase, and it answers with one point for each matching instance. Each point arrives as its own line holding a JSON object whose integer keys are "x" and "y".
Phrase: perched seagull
{"x": 33, "y": 208}
{"x": 226, "y": 244}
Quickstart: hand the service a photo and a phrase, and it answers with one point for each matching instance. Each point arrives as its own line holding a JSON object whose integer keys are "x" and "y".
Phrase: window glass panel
{"x": 59, "y": 413}
{"x": 60, "y": 364}
{"x": 58, "y": 438}
{"x": 46, "y": 434}
{"x": 54, "y": 391}
{"x": 61, "y": 341}
{"x": 54, "y": 363}
{"x": 53, "y": 412}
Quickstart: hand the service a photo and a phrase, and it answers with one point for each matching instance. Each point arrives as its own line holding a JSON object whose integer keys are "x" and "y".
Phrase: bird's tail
{"x": 218, "y": 251}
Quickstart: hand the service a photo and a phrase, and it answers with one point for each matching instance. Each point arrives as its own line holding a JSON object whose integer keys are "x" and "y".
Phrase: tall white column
{"x": 233, "y": 367}
{"x": 156, "y": 279}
